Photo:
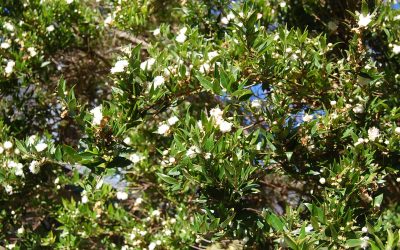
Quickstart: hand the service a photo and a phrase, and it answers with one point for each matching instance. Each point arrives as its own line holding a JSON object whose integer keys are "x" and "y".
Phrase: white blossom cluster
{"x": 164, "y": 128}
{"x": 223, "y": 125}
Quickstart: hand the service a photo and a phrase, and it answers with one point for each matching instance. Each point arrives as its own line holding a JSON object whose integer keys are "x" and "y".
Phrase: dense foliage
{"x": 192, "y": 124}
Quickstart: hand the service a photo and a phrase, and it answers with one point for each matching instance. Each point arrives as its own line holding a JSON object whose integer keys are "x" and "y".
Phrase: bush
{"x": 199, "y": 124}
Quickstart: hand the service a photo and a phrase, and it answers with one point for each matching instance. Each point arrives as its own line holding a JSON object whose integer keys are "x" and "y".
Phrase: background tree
{"x": 199, "y": 124}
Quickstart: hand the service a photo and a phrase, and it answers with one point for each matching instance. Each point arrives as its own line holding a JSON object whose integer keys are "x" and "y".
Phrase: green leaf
{"x": 208, "y": 85}
{"x": 275, "y": 222}
{"x": 270, "y": 145}
{"x": 168, "y": 179}
{"x": 44, "y": 64}
{"x": 228, "y": 220}
{"x": 289, "y": 155}
{"x": 290, "y": 242}
{"x": 21, "y": 147}
{"x": 58, "y": 154}
{"x": 354, "y": 242}
{"x": 378, "y": 200}
{"x": 214, "y": 224}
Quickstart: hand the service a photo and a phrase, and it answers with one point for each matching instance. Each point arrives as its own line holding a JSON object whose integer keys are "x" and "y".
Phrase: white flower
{"x": 122, "y": 195}
{"x": 97, "y": 115}
{"x": 1, "y": 149}
{"x": 7, "y": 145}
{"x": 359, "y": 141}
{"x": 8, "y": 26}
{"x": 158, "y": 81}
{"x": 127, "y": 141}
{"x": 282, "y": 4}
{"x": 256, "y": 104}
{"x": 138, "y": 201}
{"x": 216, "y": 114}
{"x": 364, "y": 230}
{"x": 34, "y": 167}
{"x": 155, "y": 213}
{"x": 135, "y": 158}
{"x": 84, "y": 199}
{"x": 168, "y": 70}
{"x": 156, "y": 32}
{"x": 224, "y": 20}
{"x": 21, "y": 230}
{"x": 12, "y": 164}
{"x": 193, "y": 151}
{"x": 308, "y": 118}
{"x": 163, "y": 129}
{"x": 31, "y": 139}
{"x": 50, "y": 28}
{"x": 364, "y": 243}
{"x": 396, "y": 49}
{"x": 204, "y": 68}
{"x": 10, "y": 66}
{"x": 225, "y": 126}
{"x": 171, "y": 159}
{"x": 308, "y": 228}
{"x": 148, "y": 64}
{"x": 212, "y": 54}
{"x": 207, "y": 156}
{"x": 200, "y": 125}
{"x": 183, "y": 30}
{"x": 32, "y": 51}
{"x": 358, "y": 109}
{"x": 5, "y": 45}
{"x": 333, "y": 103}
{"x": 9, "y": 189}
{"x": 19, "y": 169}
{"x": 397, "y": 130}
{"x": 109, "y": 20}
{"x": 152, "y": 245}
{"x": 69, "y": 1}
{"x": 322, "y": 180}
{"x": 119, "y": 66}
{"x": 181, "y": 38}
{"x": 373, "y": 133}
{"x": 363, "y": 21}
{"x": 41, "y": 146}
{"x": 171, "y": 121}
{"x": 230, "y": 16}
{"x": 99, "y": 184}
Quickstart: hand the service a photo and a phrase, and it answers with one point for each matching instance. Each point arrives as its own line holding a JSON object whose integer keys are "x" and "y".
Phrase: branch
{"x": 126, "y": 36}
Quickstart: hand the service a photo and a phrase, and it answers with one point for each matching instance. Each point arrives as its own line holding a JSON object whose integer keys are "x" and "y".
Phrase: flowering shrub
{"x": 216, "y": 124}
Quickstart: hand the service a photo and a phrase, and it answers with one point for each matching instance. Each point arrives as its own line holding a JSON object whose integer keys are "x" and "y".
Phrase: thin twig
{"x": 126, "y": 36}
